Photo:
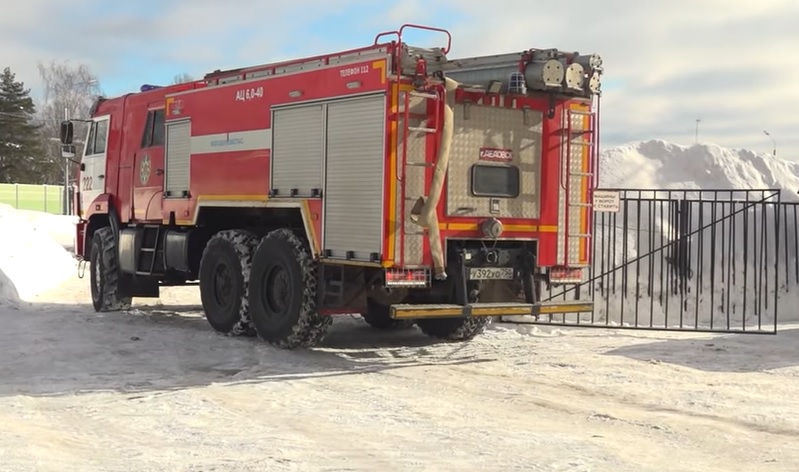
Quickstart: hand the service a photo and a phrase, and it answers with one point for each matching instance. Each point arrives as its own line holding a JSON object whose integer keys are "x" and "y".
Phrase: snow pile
{"x": 658, "y": 164}
{"x": 31, "y": 258}
{"x": 725, "y": 269}
{"x": 60, "y": 228}
{"x": 8, "y": 291}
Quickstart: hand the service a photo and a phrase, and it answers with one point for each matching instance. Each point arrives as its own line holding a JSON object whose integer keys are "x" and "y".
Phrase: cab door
{"x": 93, "y": 164}
{"x": 148, "y": 169}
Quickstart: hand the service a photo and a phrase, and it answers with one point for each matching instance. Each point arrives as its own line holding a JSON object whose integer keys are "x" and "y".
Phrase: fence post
{"x": 16, "y": 196}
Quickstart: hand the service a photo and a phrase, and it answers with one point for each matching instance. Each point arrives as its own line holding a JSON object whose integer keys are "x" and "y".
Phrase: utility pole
{"x": 774, "y": 141}
{"x": 66, "y": 206}
{"x": 697, "y": 130}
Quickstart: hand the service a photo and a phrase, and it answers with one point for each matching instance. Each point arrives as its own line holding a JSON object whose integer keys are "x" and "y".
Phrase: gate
{"x": 691, "y": 260}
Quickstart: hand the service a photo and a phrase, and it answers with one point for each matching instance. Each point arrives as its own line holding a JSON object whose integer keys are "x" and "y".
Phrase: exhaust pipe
{"x": 424, "y": 213}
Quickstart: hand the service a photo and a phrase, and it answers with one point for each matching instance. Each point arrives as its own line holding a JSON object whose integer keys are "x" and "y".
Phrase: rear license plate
{"x": 491, "y": 273}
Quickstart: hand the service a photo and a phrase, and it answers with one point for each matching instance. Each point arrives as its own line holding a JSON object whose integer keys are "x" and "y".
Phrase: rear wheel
{"x": 377, "y": 316}
{"x": 105, "y": 275}
{"x": 466, "y": 328}
{"x": 454, "y": 329}
{"x": 283, "y": 293}
{"x": 224, "y": 278}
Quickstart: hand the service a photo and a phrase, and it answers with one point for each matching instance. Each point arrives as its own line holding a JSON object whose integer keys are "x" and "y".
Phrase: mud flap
{"x": 410, "y": 311}
{"x": 139, "y": 286}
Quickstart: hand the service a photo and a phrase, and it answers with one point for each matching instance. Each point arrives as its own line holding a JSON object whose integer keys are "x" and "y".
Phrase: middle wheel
{"x": 283, "y": 293}
{"x": 377, "y": 316}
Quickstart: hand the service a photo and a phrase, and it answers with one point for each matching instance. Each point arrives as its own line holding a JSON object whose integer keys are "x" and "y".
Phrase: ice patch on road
{"x": 32, "y": 254}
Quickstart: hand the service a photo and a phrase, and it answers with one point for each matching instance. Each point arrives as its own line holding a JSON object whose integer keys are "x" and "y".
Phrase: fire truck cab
{"x": 389, "y": 180}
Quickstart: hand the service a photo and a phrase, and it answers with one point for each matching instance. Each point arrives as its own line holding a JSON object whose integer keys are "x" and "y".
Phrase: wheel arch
{"x": 298, "y": 216}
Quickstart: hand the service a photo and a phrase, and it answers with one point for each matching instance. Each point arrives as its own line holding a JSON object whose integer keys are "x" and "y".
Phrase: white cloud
{"x": 730, "y": 63}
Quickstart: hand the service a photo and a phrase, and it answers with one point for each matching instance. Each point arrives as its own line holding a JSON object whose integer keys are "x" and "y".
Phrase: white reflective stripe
{"x": 231, "y": 142}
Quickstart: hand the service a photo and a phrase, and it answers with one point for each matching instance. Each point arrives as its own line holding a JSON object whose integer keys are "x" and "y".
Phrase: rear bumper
{"x": 488, "y": 309}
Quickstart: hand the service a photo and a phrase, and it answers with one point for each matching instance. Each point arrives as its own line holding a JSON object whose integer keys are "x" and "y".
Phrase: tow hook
{"x": 81, "y": 268}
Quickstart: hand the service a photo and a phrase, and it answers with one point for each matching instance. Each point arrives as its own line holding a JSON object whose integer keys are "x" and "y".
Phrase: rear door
{"x": 494, "y": 167}
{"x": 92, "y": 176}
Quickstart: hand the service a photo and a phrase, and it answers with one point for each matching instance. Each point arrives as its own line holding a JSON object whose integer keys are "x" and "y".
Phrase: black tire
{"x": 224, "y": 281}
{"x": 464, "y": 328}
{"x": 454, "y": 329}
{"x": 105, "y": 275}
{"x": 283, "y": 293}
{"x": 377, "y": 316}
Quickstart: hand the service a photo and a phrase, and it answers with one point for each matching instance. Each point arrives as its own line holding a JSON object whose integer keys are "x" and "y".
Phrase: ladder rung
{"x": 581, "y": 174}
{"x": 581, "y": 204}
{"x": 147, "y": 249}
{"x": 423, "y": 95}
{"x": 423, "y": 130}
{"x": 419, "y": 164}
{"x": 580, "y": 235}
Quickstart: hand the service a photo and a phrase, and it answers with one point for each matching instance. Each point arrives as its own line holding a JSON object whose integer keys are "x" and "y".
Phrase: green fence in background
{"x": 47, "y": 198}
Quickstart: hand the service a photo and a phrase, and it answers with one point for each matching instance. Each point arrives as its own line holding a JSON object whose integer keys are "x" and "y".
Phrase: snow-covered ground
{"x": 156, "y": 390}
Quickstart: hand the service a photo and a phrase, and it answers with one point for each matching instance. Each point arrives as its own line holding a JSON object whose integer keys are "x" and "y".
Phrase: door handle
{"x": 101, "y": 176}
{"x": 159, "y": 171}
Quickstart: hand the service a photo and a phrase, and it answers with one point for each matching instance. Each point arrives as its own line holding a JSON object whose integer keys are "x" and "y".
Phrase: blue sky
{"x": 730, "y": 63}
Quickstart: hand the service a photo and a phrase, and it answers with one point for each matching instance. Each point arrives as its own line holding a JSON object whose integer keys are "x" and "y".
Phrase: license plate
{"x": 491, "y": 273}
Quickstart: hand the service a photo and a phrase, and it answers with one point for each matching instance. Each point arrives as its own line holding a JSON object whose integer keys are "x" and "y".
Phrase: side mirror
{"x": 67, "y": 132}
{"x": 67, "y": 151}
{"x": 82, "y": 166}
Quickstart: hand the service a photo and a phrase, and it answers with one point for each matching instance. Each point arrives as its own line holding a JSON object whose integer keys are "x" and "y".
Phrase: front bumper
{"x": 410, "y": 311}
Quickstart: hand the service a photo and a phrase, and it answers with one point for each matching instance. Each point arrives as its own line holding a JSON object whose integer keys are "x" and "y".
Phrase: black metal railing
{"x": 709, "y": 260}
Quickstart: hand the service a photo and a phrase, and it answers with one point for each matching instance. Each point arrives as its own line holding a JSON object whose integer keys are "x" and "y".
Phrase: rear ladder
{"x": 579, "y": 181}
{"x": 415, "y": 158}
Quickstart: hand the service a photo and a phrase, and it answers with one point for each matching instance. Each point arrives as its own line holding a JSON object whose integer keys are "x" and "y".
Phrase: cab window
{"x": 98, "y": 134}
{"x": 154, "y": 130}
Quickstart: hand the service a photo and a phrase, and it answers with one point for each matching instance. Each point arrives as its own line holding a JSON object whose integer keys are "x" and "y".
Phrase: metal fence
{"x": 46, "y": 198}
{"x": 710, "y": 260}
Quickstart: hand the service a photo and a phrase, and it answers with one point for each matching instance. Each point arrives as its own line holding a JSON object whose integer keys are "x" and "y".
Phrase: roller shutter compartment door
{"x": 297, "y": 150}
{"x": 178, "y": 153}
{"x": 353, "y": 197}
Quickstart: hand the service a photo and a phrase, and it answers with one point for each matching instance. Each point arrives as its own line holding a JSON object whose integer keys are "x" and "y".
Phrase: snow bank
{"x": 737, "y": 255}
{"x": 32, "y": 256}
{"x": 8, "y": 291}
{"x": 658, "y": 164}
{"x": 60, "y": 228}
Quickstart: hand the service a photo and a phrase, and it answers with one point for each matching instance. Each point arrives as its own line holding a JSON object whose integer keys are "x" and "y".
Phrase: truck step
{"x": 408, "y": 311}
{"x": 557, "y": 308}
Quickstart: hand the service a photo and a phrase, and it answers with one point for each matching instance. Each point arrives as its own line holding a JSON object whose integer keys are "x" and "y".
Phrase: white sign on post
{"x": 606, "y": 201}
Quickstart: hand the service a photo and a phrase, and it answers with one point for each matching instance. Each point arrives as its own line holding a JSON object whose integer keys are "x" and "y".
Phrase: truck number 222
{"x": 87, "y": 183}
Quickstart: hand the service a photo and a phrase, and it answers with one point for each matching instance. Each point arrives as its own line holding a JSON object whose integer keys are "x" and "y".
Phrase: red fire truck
{"x": 389, "y": 180}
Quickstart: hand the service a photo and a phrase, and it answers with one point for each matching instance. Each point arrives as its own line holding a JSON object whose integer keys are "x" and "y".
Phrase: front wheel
{"x": 106, "y": 292}
{"x": 283, "y": 293}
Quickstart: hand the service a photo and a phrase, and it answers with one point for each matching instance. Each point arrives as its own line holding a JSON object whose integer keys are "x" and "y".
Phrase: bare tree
{"x": 68, "y": 91}
{"x": 182, "y": 78}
